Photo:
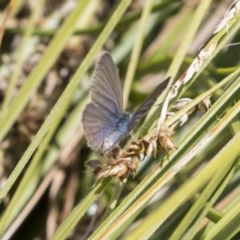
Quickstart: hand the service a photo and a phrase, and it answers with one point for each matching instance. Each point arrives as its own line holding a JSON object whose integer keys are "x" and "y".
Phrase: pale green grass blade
{"x": 192, "y": 29}
{"x": 35, "y": 78}
{"x": 178, "y": 198}
{"x": 221, "y": 38}
{"x": 230, "y": 151}
{"x": 178, "y": 58}
{"x": 228, "y": 226}
{"x": 122, "y": 50}
{"x": 171, "y": 37}
{"x": 129, "y": 18}
{"x": 17, "y": 5}
{"x": 39, "y": 165}
{"x": 235, "y": 126}
{"x": 73, "y": 218}
{"x": 62, "y": 103}
{"x": 218, "y": 183}
{"x": 138, "y": 204}
{"x": 19, "y": 60}
{"x": 156, "y": 174}
{"x": 224, "y": 210}
{"x": 181, "y": 202}
{"x": 76, "y": 214}
{"x": 134, "y": 58}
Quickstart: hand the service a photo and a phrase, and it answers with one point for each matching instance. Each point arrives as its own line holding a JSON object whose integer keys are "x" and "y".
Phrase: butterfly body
{"x": 104, "y": 121}
{"x": 119, "y": 132}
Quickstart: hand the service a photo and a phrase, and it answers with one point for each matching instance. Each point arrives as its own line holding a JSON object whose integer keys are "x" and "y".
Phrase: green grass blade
{"x": 139, "y": 38}
{"x": 35, "y": 78}
{"x": 62, "y": 103}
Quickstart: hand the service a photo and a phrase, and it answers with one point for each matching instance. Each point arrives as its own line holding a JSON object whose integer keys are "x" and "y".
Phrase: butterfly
{"x": 104, "y": 122}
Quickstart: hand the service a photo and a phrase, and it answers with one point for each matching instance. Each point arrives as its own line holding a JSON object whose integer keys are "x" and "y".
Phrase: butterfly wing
{"x": 147, "y": 104}
{"x": 106, "y": 90}
{"x": 96, "y": 126}
{"x": 100, "y": 116}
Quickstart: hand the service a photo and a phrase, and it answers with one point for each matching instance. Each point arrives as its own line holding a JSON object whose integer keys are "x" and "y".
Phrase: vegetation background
{"x": 47, "y": 59}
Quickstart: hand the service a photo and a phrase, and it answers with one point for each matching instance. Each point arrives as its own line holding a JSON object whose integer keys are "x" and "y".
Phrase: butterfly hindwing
{"x": 96, "y": 126}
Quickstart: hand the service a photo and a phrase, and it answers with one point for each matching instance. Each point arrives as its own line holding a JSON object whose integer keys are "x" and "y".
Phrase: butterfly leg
{"x": 132, "y": 134}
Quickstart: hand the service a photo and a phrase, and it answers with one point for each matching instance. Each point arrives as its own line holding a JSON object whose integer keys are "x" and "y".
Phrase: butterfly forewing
{"x": 148, "y": 103}
{"x": 106, "y": 90}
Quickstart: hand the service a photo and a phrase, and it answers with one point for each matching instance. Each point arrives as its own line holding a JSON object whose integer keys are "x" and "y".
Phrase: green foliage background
{"x": 189, "y": 193}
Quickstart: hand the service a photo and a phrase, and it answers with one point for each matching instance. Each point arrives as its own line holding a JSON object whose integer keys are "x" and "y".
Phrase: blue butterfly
{"x": 104, "y": 121}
